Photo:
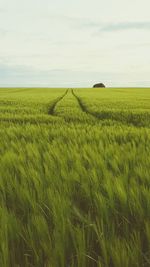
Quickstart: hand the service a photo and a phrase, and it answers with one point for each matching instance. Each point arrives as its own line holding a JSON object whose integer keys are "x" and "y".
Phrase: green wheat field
{"x": 74, "y": 177}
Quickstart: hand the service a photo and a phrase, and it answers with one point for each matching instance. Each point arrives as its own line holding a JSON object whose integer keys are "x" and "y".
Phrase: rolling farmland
{"x": 74, "y": 177}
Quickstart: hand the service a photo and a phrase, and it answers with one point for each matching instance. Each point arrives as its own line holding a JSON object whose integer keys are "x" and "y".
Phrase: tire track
{"x": 51, "y": 108}
{"x": 82, "y": 106}
{"x": 130, "y": 121}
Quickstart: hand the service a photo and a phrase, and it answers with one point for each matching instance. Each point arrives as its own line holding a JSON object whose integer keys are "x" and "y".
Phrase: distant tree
{"x": 99, "y": 85}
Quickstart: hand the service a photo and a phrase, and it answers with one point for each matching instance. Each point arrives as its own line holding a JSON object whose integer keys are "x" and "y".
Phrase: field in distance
{"x": 74, "y": 177}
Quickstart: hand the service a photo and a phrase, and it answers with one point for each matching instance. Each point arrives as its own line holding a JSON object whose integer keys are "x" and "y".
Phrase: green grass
{"x": 75, "y": 177}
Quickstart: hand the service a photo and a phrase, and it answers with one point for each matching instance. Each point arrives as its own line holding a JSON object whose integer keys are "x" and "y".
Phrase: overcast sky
{"x": 74, "y": 43}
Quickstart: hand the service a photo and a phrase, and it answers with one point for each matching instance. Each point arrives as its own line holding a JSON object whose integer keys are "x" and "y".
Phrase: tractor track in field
{"x": 82, "y": 106}
{"x": 51, "y": 108}
{"x": 105, "y": 115}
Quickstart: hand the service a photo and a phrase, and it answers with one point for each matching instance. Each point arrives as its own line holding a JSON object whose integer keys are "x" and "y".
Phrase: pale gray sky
{"x": 74, "y": 42}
